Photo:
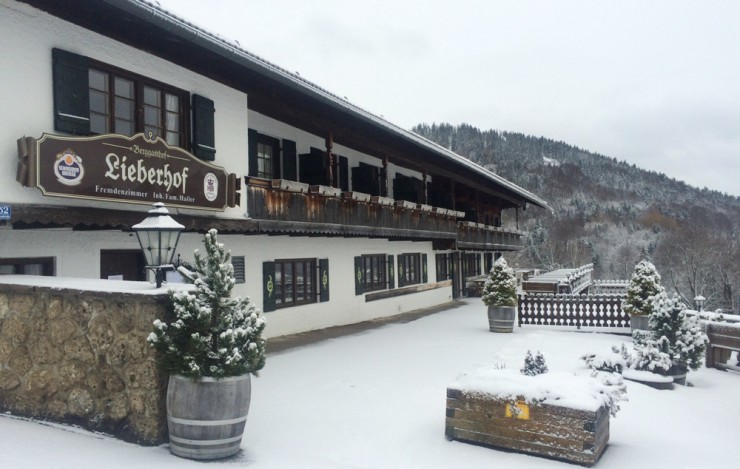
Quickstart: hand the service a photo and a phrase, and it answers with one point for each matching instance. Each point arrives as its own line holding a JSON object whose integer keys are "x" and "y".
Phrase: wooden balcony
{"x": 280, "y": 207}
{"x": 477, "y": 236}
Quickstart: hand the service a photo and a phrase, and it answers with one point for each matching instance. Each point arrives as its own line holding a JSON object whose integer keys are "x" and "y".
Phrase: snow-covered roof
{"x": 150, "y": 11}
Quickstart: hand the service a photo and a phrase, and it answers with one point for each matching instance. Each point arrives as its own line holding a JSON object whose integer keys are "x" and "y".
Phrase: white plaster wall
{"x": 28, "y": 36}
{"x": 343, "y": 307}
{"x": 77, "y": 254}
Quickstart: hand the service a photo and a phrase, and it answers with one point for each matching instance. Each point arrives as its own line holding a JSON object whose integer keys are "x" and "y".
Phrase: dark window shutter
{"x": 424, "y": 269}
{"x": 252, "y": 152}
{"x": 313, "y": 167}
{"x": 204, "y": 130}
{"x": 290, "y": 161}
{"x": 391, "y": 273}
{"x": 454, "y": 259}
{"x": 71, "y": 92}
{"x": 268, "y": 286}
{"x": 343, "y": 173}
{"x": 238, "y": 263}
{"x": 323, "y": 280}
{"x": 359, "y": 274}
{"x": 401, "y": 271}
{"x": 276, "y": 173}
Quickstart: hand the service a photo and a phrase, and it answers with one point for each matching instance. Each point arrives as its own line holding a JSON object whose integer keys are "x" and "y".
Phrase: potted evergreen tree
{"x": 677, "y": 335}
{"x": 210, "y": 349}
{"x": 499, "y": 294}
{"x": 644, "y": 284}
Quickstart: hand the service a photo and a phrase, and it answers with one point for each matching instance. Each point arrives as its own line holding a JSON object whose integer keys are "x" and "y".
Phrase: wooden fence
{"x": 573, "y": 310}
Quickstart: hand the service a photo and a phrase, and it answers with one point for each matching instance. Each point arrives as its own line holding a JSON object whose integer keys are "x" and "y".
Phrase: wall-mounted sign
{"x": 5, "y": 212}
{"x": 130, "y": 169}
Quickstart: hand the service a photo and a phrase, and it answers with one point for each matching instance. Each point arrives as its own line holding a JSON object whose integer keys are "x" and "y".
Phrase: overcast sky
{"x": 655, "y": 83}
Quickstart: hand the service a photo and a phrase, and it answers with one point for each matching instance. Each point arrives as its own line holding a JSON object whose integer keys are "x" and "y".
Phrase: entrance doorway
{"x": 122, "y": 264}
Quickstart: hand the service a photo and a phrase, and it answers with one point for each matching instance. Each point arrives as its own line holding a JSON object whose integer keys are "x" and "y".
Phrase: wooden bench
{"x": 724, "y": 338}
{"x": 541, "y": 429}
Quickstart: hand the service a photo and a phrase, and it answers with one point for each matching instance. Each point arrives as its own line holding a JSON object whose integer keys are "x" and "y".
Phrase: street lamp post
{"x": 158, "y": 235}
{"x": 699, "y": 301}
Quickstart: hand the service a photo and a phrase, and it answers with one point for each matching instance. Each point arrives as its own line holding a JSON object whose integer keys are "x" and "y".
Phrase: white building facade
{"x": 333, "y": 215}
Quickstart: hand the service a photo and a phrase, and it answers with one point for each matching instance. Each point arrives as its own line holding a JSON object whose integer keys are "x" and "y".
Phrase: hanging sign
{"x": 130, "y": 169}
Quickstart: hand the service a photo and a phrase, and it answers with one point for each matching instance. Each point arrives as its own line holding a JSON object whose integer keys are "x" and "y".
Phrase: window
{"x": 268, "y": 152}
{"x": 471, "y": 265}
{"x": 444, "y": 272}
{"x": 28, "y": 266}
{"x": 272, "y": 158}
{"x": 374, "y": 268}
{"x": 125, "y": 104}
{"x": 295, "y": 282}
{"x": 409, "y": 269}
{"x": 91, "y": 97}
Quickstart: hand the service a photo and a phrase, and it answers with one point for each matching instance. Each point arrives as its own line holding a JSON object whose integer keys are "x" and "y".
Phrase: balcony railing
{"x": 477, "y": 236}
{"x": 296, "y": 208}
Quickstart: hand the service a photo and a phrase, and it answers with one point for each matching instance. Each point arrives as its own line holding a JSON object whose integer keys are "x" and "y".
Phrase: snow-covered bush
{"x": 500, "y": 287}
{"x": 614, "y": 362}
{"x": 212, "y": 334}
{"x": 677, "y": 334}
{"x": 648, "y": 355}
{"x": 644, "y": 284}
{"x": 534, "y": 365}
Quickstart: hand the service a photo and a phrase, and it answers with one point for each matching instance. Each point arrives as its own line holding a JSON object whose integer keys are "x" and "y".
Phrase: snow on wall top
{"x": 94, "y": 285}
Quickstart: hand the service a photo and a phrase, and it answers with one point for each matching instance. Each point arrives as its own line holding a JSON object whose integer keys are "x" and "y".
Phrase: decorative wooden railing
{"x": 296, "y": 208}
{"x": 609, "y": 287}
{"x": 485, "y": 237}
{"x": 572, "y": 310}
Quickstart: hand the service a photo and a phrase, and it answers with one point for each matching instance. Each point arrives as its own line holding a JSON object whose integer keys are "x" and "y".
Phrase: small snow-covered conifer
{"x": 500, "y": 287}
{"x": 644, "y": 284}
{"x": 212, "y": 334}
{"x": 677, "y": 334}
{"x": 534, "y": 365}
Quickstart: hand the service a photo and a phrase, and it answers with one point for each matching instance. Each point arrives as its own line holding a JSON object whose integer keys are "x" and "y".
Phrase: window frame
{"x": 380, "y": 266}
{"x": 443, "y": 263}
{"x": 412, "y": 268}
{"x": 310, "y": 287}
{"x": 48, "y": 264}
{"x": 271, "y": 142}
{"x": 140, "y": 82}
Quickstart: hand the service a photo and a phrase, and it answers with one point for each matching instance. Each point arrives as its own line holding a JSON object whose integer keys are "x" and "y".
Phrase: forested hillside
{"x": 611, "y": 213}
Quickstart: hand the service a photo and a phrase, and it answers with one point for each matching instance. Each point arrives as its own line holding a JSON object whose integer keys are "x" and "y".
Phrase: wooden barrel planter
{"x": 501, "y": 318}
{"x": 678, "y": 373}
{"x": 206, "y": 418}
{"x": 639, "y": 323}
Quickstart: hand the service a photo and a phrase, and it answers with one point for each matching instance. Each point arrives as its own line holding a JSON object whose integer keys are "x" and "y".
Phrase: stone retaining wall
{"x": 81, "y": 357}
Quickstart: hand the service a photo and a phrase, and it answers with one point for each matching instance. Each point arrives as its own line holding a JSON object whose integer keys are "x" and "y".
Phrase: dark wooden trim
{"x": 382, "y": 295}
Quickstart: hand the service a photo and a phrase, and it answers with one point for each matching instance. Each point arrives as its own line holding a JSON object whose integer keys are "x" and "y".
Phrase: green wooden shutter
{"x": 290, "y": 161}
{"x": 204, "y": 130}
{"x": 323, "y": 280}
{"x": 268, "y": 286}
{"x": 252, "y": 152}
{"x": 359, "y": 275}
{"x": 401, "y": 271}
{"x": 391, "y": 273}
{"x": 71, "y": 92}
{"x": 424, "y": 269}
{"x": 454, "y": 259}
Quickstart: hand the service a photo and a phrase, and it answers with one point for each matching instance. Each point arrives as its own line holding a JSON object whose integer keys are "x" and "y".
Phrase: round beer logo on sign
{"x": 68, "y": 168}
{"x": 210, "y": 187}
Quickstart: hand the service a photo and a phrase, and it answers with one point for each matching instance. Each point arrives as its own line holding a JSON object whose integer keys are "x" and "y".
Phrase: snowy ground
{"x": 377, "y": 400}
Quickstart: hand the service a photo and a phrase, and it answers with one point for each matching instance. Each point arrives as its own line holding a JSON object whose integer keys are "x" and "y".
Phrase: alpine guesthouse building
{"x": 333, "y": 215}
